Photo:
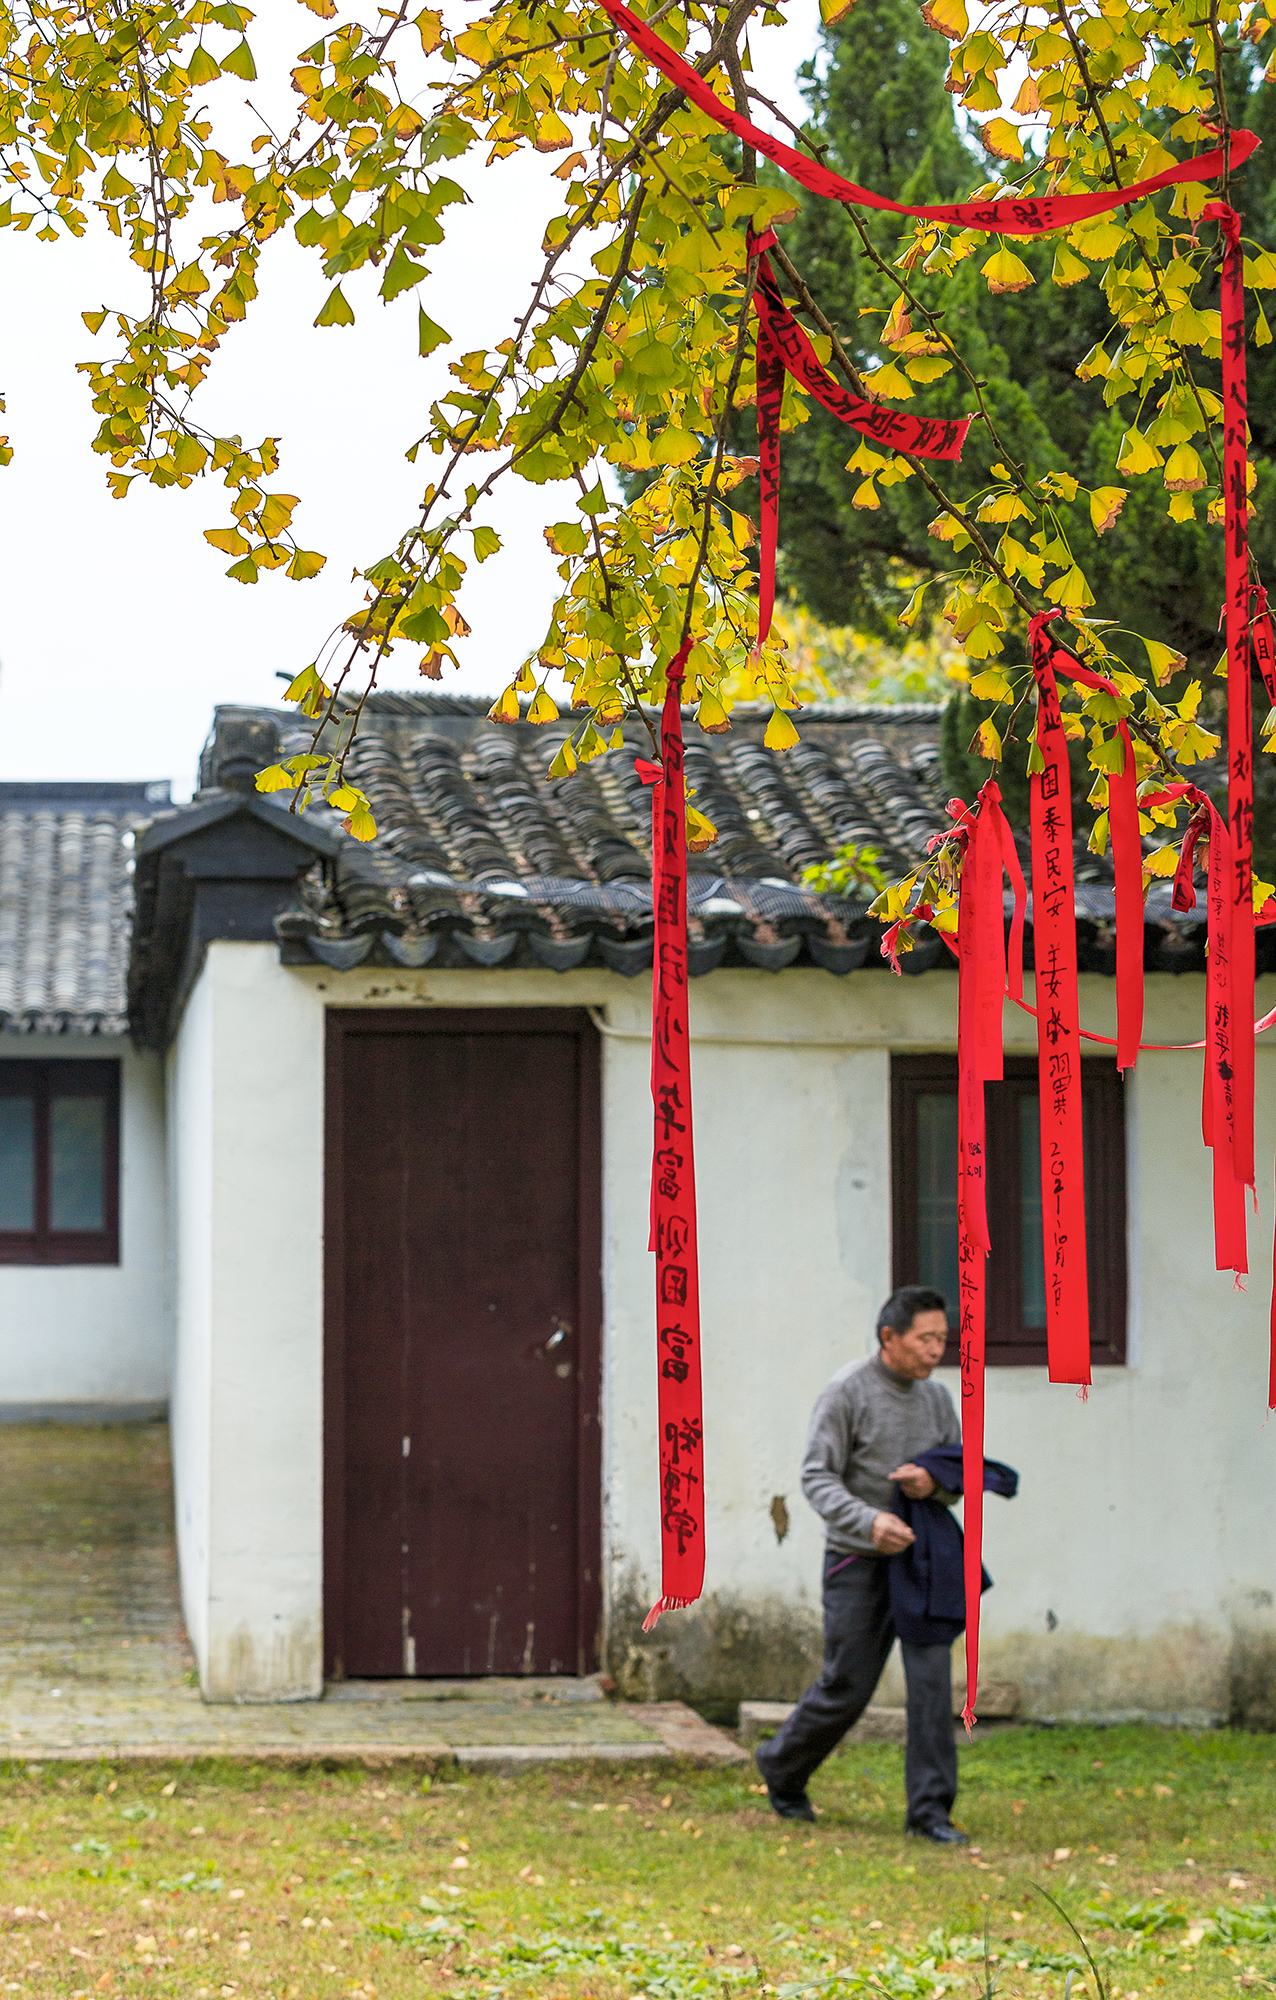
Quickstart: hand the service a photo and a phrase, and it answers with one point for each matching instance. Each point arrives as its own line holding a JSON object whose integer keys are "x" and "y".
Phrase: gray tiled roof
{"x": 483, "y": 859}
{"x": 65, "y": 904}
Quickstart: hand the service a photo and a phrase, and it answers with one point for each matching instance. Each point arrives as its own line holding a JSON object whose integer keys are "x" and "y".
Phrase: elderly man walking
{"x": 871, "y": 1422}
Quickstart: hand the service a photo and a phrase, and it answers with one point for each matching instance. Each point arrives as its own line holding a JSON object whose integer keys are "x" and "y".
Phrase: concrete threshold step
{"x": 676, "y": 1731}
{"x": 998, "y": 1701}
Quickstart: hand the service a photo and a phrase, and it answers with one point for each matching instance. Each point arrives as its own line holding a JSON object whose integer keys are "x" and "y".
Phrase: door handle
{"x": 551, "y": 1349}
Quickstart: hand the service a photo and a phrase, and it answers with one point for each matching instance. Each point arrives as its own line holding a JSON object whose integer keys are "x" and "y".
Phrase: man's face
{"x": 915, "y": 1354}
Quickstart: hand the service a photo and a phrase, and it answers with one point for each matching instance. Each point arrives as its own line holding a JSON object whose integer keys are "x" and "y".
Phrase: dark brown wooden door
{"x": 462, "y": 1406}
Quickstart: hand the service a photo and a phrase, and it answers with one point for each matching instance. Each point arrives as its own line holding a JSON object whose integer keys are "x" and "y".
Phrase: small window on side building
{"x": 59, "y": 1162}
{"x": 924, "y": 1201}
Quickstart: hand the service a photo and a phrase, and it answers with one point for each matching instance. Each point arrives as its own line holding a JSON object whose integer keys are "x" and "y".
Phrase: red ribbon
{"x": 1264, "y": 646}
{"x": 782, "y": 344}
{"x": 673, "y": 1179}
{"x": 1240, "y": 736}
{"x": 982, "y": 980}
{"x": 1054, "y": 931}
{"x": 1218, "y": 1102}
{"x": 1018, "y": 216}
{"x": 770, "y": 376}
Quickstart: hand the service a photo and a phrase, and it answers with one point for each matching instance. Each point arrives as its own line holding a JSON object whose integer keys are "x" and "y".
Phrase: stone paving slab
{"x": 94, "y": 1660}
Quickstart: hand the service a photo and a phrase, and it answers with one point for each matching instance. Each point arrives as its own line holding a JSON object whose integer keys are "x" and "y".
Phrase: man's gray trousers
{"x": 858, "y": 1634}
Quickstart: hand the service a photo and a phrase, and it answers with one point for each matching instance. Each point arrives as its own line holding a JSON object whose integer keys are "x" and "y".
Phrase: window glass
{"x": 17, "y": 1163}
{"x": 1032, "y": 1271}
{"x": 77, "y": 1130}
{"x": 937, "y": 1193}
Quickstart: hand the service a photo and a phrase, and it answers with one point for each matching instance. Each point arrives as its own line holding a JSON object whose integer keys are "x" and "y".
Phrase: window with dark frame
{"x": 59, "y": 1162}
{"x": 924, "y": 1201}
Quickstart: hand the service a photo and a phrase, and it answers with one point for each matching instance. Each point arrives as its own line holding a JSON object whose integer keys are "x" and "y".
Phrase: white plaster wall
{"x": 190, "y": 1161}
{"x": 247, "y": 1409}
{"x": 98, "y": 1333}
{"x": 1140, "y": 1528}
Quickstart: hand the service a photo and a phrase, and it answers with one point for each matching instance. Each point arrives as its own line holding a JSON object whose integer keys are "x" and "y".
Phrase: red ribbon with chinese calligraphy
{"x": 981, "y": 959}
{"x": 770, "y": 377}
{"x": 1263, "y": 642}
{"x": 673, "y": 1179}
{"x": 782, "y": 344}
{"x": 1240, "y": 734}
{"x": 1054, "y": 931}
{"x": 1218, "y": 1099}
{"x": 1015, "y": 216}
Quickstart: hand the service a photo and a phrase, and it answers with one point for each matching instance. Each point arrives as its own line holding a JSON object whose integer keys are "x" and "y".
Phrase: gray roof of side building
{"x": 66, "y": 902}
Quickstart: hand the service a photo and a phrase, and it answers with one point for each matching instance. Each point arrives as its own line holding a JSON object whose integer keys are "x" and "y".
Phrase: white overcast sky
{"x": 118, "y": 629}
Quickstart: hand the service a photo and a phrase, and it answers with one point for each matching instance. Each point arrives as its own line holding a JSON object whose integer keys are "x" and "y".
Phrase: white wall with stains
{"x": 97, "y": 1335}
{"x": 1134, "y": 1573}
{"x": 246, "y": 1151}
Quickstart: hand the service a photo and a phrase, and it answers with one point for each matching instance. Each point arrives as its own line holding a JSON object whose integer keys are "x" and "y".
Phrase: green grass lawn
{"x": 210, "y": 1881}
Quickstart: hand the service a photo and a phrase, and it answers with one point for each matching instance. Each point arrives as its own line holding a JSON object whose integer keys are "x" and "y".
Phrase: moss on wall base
{"x": 728, "y": 1649}
{"x": 720, "y": 1653}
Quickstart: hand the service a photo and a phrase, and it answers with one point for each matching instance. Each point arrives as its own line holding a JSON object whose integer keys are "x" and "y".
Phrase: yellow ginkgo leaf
{"x": 1005, "y": 272}
{"x": 544, "y": 708}
{"x": 1072, "y": 591}
{"x": 991, "y": 685}
{"x": 711, "y": 715}
{"x": 866, "y": 495}
{"x": 565, "y": 762}
{"x": 1106, "y": 503}
{"x": 1163, "y": 660}
{"x": 1137, "y": 454}
{"x": 780, "y": 733}
{"x": 361, "y": 825}
{"x": 1182, "y": 507}
{"x": 1184, "y": 472}
{"x": 1002, "y": 140}
{"x": 949, "y": 16}
{"x": 982, "y": 642}
{"x": 890, "y": 382}
{"x": 505, "y": 707}
{"x": 1161, "y": 861}
{"x": 989, "y": 742}
{"x": 1068, "y": 269}
{"x": 551, "y": 133}
{"x": 865, "y": 460}
{"x": 701, "y": 831}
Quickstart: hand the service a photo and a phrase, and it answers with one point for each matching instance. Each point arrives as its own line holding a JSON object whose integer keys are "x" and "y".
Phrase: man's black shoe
{"x": 942, "y": 1831}
{"x": 789, "y": 1805}
{"x": 795, "y": 1807}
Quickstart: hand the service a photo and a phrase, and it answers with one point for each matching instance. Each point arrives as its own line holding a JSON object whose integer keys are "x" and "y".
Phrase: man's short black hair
{"x": 903, "y": 1306}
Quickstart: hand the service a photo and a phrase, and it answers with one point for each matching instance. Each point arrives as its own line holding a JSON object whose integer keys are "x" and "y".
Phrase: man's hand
{"x": 890, "y": 1534}
{"x": 917, "y": 1484}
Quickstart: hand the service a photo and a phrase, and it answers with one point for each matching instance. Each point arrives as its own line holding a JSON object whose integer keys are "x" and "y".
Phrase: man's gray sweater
{"x": 866, "y": 1423}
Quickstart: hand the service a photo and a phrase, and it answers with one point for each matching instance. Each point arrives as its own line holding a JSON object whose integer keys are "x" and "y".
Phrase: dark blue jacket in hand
{"x": 927, "y": 1582}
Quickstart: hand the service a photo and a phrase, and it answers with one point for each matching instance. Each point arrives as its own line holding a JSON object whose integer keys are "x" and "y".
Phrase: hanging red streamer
{"x": 982, "y": 981}
{"x": 1054, "y": 933}
{"x": 673, "y": 1179}
{"x": 783, "y": 345}
{"x": 770, "y": 375}
{"x": 1015, "y": 216}
{"x": 1218, "y": 1097}
{"x": 1240, "y": 741}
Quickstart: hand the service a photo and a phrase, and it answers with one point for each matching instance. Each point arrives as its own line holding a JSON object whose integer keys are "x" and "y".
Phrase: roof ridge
{"x": 420, "y": 701}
